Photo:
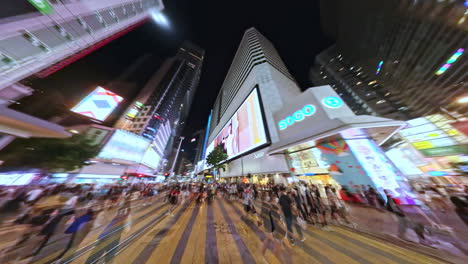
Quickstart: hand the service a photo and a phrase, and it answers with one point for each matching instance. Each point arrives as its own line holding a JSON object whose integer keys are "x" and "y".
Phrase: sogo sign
{"x": 309, "y": 110}
{"x": 298, "y": 116}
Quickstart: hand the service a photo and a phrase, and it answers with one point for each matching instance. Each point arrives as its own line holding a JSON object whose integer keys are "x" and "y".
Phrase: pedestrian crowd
{"x": 301, "y": 204}
{"x": 48, "y": 210}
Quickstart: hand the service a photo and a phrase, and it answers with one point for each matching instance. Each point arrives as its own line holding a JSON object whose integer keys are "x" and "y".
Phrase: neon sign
{"x": 379, "y": 67}
{"x": 298, "y": 116}
{"x": 43, "y": 6}
{"x": 332, "y": 102}
{"x": 450, "y": 61}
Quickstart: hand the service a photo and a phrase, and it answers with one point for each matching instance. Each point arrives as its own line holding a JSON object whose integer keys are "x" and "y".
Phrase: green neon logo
{"x": 43, "y": 6}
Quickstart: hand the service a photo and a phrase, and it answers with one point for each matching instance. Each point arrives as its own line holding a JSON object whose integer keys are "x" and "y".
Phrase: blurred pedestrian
{"x": 286, "y": 204}
{"x": 78, "y": 230}
{"x": 13, "y": 206}
{"x": 461, "y": 208}
{"x": 270, "y": 212}
{"x": 403, "y": 222}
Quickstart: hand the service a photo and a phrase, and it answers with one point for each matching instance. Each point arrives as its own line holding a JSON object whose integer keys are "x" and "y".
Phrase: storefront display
{"x": 307, "y": 162}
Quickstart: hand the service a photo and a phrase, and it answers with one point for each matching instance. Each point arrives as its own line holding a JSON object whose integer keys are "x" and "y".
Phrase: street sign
{"x": 43, "y": 6}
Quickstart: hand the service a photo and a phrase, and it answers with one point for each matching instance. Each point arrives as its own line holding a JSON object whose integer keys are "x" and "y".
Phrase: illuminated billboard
{"x": 98, "y": 105}
{"x": 434, "y": 131}
{"x": 136, "y": 107}
{"x": 125, "y": 146}
{"x": 244, "y": 131}
{"x": 151, "y": 158}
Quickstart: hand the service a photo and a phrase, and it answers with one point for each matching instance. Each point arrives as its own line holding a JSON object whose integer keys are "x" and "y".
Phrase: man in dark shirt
{"x": 286, "y": 207}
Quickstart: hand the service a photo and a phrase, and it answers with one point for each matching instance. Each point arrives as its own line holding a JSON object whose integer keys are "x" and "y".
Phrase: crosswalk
{"x": 217, "y": 233}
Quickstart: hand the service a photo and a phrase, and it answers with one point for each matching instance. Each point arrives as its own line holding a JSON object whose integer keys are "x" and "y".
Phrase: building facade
{"x": 395, "y": 58}
{"x": 38, "y": 41}
{"x": 360, "y": 93}
{"x": 40, "y": 37}
{"x": 271, "y": 131}
{"x": 255, "y": 87}
{"x": 160, "y": 110}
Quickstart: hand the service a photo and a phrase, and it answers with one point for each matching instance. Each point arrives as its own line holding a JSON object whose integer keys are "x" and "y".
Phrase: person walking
{"x": 298, "y": 199}
{"x": 78, "y": 230}
{"x": 174, "y": 199}
{"x": 337, "y": 207}
{"x": 286, "y": 205}
{"x": 461, "y": 208}
{"x": 403, "y": 222}
{"x": 270, "y": 212}
{"x": 13, "y": 206}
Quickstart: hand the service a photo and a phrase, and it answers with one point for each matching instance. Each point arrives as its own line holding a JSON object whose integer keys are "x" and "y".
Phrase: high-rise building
{"x": 160, "y": 110}
{"x": 360, "y": 93}
{"x": 40, "y": 37}
{"x": 256, "y": 86}
{"x": 199, "y": 138}
{"x": 270, "y": 129}
{"x": 43, "y": 37}
{"x": 396, "y": 58}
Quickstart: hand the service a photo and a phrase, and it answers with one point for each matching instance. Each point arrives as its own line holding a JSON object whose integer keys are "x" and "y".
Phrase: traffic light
{"x": 124, "y": 177}
{"x": 166, "y": 174}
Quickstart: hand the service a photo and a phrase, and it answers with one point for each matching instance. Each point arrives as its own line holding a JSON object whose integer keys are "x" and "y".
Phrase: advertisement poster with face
{"x": 244, "y": 131}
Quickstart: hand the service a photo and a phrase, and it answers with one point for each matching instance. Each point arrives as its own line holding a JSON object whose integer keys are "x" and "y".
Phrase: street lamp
{"x": 177, "y": 155}
{"x": 463, "y": 100}
{"x": 160, "y": 19}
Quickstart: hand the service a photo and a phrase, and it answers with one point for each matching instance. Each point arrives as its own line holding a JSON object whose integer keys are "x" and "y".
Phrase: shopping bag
{"x": 301, "y": 223}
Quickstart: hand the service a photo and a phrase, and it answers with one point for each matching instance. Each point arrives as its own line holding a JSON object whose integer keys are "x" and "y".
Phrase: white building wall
{"x": 275, "y": 89}
{"x": 13, "y": 27}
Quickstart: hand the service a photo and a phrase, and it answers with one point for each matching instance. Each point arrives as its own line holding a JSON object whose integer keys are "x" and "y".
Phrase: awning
{"x": 22, "y": 125}
{"x": 380, "y": 129}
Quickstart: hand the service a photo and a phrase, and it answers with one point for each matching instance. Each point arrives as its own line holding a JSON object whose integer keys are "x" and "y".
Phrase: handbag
{"x": 301, "y": 223}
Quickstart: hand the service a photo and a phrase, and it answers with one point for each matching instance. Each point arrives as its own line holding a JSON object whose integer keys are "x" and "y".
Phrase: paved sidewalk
{"x": 380, "y": 223}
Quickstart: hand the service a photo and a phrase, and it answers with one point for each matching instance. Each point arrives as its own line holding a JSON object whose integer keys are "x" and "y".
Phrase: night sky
{"x": 216, "y": 26}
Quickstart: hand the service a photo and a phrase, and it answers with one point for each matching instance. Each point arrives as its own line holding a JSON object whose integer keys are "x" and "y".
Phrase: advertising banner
{"x": 244, "y": 131}
{"x": 98, "y": 105}
{"x": 125, "y": 146}
{"x": 344, "y": 167}
{"x": 151, "y": 158}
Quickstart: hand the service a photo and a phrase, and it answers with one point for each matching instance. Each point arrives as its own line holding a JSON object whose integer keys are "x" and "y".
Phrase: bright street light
{"x": 160, "y": 19}
{"x": 463, "y": 100}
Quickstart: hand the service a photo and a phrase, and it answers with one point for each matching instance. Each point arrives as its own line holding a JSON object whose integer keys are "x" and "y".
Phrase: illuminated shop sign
{"x": 309, "y": 110}
{"x": 132, "y": 113}
{"x": 298, "y": 116}
{"x": 332, "y": 102}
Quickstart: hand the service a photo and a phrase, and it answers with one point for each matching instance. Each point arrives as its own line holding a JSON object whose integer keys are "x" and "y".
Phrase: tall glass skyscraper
{"x": 160, "y": 110}
{"x": 395, "y": 58}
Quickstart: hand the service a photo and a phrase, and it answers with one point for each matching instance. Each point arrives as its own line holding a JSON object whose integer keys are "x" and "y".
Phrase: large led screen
{"x": 244, "y": 131}
{"x": 98, "y": 105}
{"x": 125, "y": 146}
{"x": 151, "y": 158}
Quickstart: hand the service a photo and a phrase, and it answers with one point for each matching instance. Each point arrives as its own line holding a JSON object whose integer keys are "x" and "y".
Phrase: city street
{"x": 154, "y": 131}
{"x": 214, "y": 233}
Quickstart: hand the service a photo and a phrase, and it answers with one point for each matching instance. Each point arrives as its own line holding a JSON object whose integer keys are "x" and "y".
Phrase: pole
{"x": 177, "y": 155}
